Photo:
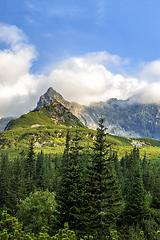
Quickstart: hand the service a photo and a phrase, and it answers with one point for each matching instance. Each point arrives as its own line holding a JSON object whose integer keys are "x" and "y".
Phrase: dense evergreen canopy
{"x": 98, "y": 192}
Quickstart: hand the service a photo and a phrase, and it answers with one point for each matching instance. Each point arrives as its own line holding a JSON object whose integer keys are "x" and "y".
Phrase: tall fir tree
{"x": 30, "y": 169}
{"x": 18, "y": 180}
{"x": 156, "y": 190}
{"x": 40, "y": 171}
{"x": 136, "y": 207}
{"x": 56, "y": 173}
{"x": 118, "y": 168}
{"x": 105, "y": 196}
{"x": 6, "y": 195}
{"x": 70, "y": 195}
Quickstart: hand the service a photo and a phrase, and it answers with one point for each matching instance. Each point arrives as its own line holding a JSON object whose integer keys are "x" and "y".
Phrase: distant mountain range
{"x": 122, "y": 117}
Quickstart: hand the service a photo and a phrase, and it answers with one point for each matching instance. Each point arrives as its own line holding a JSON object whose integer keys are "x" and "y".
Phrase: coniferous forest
{"x": 85, "y": 193}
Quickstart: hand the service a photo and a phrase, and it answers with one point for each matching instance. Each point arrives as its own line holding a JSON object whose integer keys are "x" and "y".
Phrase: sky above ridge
{"x": 87, "y": 50}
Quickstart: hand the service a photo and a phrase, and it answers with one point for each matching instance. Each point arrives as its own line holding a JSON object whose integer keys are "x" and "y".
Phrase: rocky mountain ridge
{"x": 50, "y": 114}
{"x": 121, "y": 116}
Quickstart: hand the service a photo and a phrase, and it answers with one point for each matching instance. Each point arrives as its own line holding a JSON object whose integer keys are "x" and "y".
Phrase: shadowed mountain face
{"x": 3, "y": 123}
{"x": 121, "y": 117}
{"x": 50, "y": 95}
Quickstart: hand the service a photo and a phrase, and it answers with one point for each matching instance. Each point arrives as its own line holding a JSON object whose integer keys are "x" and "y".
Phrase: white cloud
{"x": 105, "y": 58}
{"x": 82, "y": 79}
{"x": 16, "y": 84}
{"x": 12, "y": 35}
{"x": 85, "y": 79}
{"x": 151, "y": 71}
{"x": 147, "y": 95}
{"x": 150, "y": 93}
{"x": 17, "y": 60}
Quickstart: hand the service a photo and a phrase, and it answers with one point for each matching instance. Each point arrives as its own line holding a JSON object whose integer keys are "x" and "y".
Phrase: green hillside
{"x": 48, "y": 126}
{"x": 51, "y": 114}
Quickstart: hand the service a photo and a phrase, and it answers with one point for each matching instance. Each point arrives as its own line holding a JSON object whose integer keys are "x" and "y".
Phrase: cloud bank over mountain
{"x": 93, "y": 77}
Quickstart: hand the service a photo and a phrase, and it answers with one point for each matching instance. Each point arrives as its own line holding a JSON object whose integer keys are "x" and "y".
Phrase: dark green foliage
{"x": 118, "y": 169}
{"x": 6, "y": 197}
{"x": 65, "y": 233}
{"x": 40, "y": 170}
{"x": 56, "y": 177}
{"x": 30, "y": 169}
{"x": 48, "y": 173}
{"x": 147, "y": 174}
{"x": 135, "y": 232}
{"x": 71, "y": 195}
{"x": 105, "y": 201}
{"x": 136, "y": 207}
{"x": 156, "y": 191}
{"x": 87, "y": 181}
{"x": 18, "y": 181}
{"x": 38, "y": 210}
{"x": 45, "y": 172}
{"x": 10, "y": 229}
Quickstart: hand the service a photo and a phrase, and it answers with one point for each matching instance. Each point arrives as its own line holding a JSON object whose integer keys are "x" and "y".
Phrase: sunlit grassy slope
{"x": 48, "y": 126}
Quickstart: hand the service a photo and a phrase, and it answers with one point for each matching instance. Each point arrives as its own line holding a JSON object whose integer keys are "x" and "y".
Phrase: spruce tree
{"x": 18, "y": 180}
{"x": 6, "y": 196}
{"x": 70, "y": 195}
{"x": 55, "y": 172}
{"x": 148, "y": 174}
{"x": 118, "y": 168}
{"x": 136, "y": 207}
{"x": 48, "y": 178}
{"x": 64, "y": 187}
{"x": 30, "y": 169}
{"x": 156, "y": 191}
{"x": 105, "y": 198}
{"x": 40, "y": 171}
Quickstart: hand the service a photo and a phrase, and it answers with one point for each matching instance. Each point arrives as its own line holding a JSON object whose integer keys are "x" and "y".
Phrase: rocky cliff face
{"x": 121, "y": 117}
{"x": 129, "y": 120}
{"x": 78, "y": 110}
{"x": 3, "y": 123}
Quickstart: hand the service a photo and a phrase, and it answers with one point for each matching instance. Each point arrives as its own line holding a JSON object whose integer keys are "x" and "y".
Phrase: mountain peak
{"x": 50, "y": 95}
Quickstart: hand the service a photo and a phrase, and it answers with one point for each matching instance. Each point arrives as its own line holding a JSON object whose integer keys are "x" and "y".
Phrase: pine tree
{"x": 56, "y": 174}
{"x": 105, "y": 202}
{"x": 156, "y": 191}
{"x": 48, "y": 178}
{"x": 70, "y": 195}
{"x": 18, "y": 180}
{"x": 40, "y": 171}
{"x": 136, "y": 206}
{"x": 30, "y": 169}
{"x": 64, "y": 187}
{"x": 6, "y": 196}
{"x": 148, "y": 174}
{"x": 118, "y": 169}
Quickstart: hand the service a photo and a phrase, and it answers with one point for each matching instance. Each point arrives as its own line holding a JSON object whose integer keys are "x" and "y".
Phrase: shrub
{"x": 38, "y": 210}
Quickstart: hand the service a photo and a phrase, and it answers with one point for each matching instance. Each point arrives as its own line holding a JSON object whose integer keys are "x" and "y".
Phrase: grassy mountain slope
{"x": 48, "y": 126}
{"x": 51, "y": 114}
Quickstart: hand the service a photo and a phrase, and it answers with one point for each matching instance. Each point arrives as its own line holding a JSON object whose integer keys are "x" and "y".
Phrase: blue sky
{"x": 88, "y": 50}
